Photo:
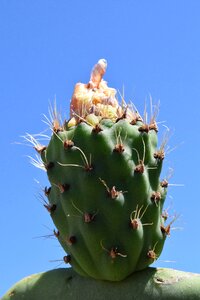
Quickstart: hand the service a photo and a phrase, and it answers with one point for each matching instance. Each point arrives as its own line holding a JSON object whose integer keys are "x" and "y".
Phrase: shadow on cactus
{"x": 105, "y": 196}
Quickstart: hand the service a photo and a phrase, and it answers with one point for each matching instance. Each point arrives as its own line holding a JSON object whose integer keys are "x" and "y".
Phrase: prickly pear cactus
{"x": 65, "y": 284}
{"x": 105, "y": 196}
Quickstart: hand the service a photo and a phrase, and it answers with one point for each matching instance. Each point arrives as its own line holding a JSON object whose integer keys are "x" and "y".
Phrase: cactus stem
{"x": 120, "y": 220}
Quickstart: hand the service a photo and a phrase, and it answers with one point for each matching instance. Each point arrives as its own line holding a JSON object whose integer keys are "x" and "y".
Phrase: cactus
{"x": 105, "y": 196}
{"x": 65, "y": 284}
{"x": 106, "y": 200}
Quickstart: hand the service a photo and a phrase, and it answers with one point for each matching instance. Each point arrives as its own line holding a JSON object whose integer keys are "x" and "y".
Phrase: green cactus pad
{"x": 65, "y": 284}
{"x": 106, "y": 198}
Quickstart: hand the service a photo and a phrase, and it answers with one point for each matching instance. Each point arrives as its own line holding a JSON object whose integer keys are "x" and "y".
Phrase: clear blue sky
{"x": 152, "y": 47}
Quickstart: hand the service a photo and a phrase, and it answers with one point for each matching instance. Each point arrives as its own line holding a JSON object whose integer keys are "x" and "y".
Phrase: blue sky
{"x": 152, "y": 47}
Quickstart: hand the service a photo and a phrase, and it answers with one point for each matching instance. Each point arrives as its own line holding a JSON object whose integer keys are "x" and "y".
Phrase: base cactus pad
{"x": 65, "y": 284}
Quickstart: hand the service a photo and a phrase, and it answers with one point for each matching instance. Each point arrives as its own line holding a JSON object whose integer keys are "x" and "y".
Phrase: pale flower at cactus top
{"x": 96, "y": 99}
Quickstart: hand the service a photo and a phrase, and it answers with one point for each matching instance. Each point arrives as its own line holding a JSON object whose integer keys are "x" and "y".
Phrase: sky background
{"x": 152, "y": 48}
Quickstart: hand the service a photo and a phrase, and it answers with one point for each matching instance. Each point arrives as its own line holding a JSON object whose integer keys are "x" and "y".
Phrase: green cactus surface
{"x": 105, "y": 197}
{"x": 65, "y": 284}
